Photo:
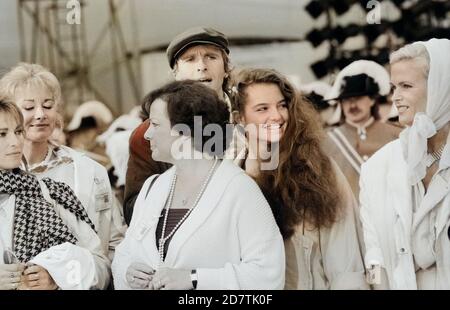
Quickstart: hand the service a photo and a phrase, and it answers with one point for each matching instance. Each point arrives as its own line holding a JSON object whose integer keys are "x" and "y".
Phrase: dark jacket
{"x": 140, "y": 167}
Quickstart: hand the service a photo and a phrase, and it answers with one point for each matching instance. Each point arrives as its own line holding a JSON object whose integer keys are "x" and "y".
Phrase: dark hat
{"x": 357, "y": 85}
{"x": 317, "y": 101}
{"x": 195, "y": 36}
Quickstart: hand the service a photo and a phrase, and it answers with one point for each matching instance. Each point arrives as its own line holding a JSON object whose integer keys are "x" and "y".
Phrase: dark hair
{"x": 187, "y": 99}
{"x": 303, "y": 187}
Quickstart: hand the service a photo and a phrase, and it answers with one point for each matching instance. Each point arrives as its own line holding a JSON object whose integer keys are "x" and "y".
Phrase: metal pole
{"x": 84, "y": 51}
{"x": 137, "y": 48}
{"x": 35, "y": 35}
{"x": 20, "y": 20}
{"x": 116, "y": 65}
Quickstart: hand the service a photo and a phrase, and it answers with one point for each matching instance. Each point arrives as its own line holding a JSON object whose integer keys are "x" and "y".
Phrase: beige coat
{"x": 329, "y": 258}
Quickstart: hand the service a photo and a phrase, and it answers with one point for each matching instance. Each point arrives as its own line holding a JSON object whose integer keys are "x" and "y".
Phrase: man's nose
{"x": 201, "y": 65}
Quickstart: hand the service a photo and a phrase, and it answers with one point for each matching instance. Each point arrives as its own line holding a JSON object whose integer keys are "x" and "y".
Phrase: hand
{"x": 172, "y": 279}
{"x": 37, "y": 278}
{"x": 10, "y": 276}
{"x": 252, "y": 167}
{"x": 139, "y": 276}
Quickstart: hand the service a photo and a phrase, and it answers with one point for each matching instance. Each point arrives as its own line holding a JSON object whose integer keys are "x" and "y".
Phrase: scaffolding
{"x": 47, "y": 38}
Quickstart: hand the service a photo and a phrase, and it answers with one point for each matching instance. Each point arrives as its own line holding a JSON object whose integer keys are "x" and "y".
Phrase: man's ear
{"x": 174, "y": 71}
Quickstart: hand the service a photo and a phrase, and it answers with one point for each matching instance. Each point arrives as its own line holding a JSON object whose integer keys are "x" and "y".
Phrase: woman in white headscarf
{"x": 405, "y": 186}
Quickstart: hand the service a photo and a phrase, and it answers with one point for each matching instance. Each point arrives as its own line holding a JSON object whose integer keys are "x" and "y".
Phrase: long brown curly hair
{"x": 303, "y": 187}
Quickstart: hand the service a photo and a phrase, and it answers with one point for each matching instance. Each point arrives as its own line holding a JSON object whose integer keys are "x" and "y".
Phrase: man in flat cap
{"x": 197, "y": 54}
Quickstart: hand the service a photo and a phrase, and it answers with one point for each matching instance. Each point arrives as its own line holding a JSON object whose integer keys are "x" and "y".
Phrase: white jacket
{"x": 92, "y": 187}
{"x": 231, "y": 237}
{"x": 386, "y": 215}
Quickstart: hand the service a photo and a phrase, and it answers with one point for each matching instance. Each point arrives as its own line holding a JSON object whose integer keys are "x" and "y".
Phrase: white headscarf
{"x": 437, "y": 114}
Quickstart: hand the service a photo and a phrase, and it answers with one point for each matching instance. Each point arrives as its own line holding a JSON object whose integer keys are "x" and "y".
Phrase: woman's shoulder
{"x": 237, "y": 178}
{"x": 384, "y": 155}
{"x": 380, "y": 165}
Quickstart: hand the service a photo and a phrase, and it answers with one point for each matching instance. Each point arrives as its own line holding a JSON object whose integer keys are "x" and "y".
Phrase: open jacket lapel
{"x": 208, "y": 202}
{"x": 154, "y": 204}
{"x": 84, "y": 176}
{"x": 437, "y": 190}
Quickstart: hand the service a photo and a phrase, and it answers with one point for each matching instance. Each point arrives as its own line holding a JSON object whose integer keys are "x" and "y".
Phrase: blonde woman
{"x": 36, "y": 91}
{"x": 43, "y": 226}
{"x": 405, "y": 201}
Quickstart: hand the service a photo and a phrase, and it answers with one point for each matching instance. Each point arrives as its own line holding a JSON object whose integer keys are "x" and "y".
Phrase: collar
{"x": 55, "y": 157}
{"x": 361, "y": 129}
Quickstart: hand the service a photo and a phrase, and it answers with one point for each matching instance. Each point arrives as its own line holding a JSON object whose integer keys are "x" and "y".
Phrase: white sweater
{"x": 231, "y": 237}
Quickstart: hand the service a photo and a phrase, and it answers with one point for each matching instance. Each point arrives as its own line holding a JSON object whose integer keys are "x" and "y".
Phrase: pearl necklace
{"x": 163, "y": 239}
{"x": 432, "y": 157}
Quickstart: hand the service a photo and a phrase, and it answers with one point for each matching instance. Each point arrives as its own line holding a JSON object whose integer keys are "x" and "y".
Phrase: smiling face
{"x": 202, "y": 63}
{"x": 11, "y": 142}
{"x": 39, "y": 111}
{"x": 266, "y": 107}
{"x": 409, "y": 89}
{"x": 160, "y": 133}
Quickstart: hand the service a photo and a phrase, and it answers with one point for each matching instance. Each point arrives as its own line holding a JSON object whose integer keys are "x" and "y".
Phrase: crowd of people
{"x": 231, "y": 178}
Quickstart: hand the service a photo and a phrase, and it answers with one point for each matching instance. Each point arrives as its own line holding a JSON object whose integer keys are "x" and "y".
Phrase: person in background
{"x": 204, "y": 223}
{"x": 36, "y": 91}
{"x": 310, "y": 198}
{"x": 43, "y": 226}
{"x": 89, "y": 121}
{"x": 405, "y": 200}
{"x": 358, "y": 89}
{"x": 116, "y": 138}
{"x": 315, "y": 93}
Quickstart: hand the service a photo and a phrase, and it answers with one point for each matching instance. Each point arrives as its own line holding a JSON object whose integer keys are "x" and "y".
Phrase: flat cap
{"x": 195, "y": 36}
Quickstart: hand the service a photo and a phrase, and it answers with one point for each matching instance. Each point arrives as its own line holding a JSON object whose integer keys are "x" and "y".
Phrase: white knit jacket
{"x": 231, "y": 237}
